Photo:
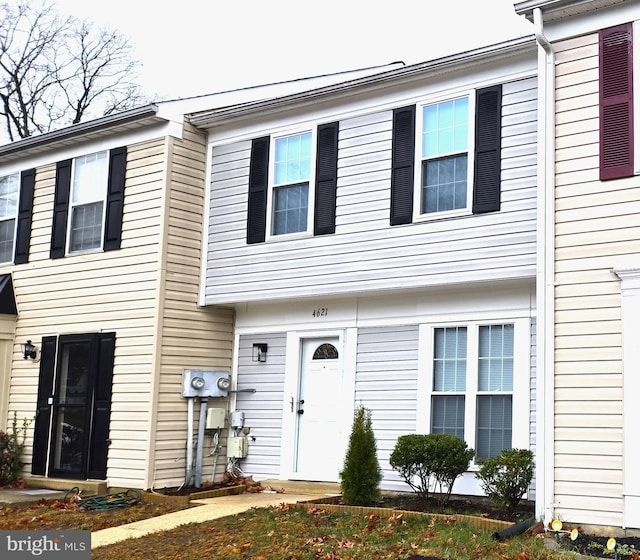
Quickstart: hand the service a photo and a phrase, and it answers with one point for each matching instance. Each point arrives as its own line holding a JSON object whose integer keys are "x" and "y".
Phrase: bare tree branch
{"x": 57, "y": 70}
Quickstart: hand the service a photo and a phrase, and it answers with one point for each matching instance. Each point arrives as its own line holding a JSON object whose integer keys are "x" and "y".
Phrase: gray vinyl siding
{"x": 387, "y": 384}
{"x": 263, "y": 409}
{"x": 366, "y": 253}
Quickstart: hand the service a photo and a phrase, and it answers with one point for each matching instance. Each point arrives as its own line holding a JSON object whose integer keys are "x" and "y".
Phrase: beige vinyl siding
{"x": 366, "y": 253}
{"x": 99, "y": 292}
{"x": 192, "y": 337}
{"x": 596, "y": 223}
{"x": 7, "y": 330}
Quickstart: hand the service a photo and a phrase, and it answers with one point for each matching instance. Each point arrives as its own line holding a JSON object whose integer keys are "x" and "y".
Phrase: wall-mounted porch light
{"x": 28, "y": 350}
{"x": 260, "y": 352}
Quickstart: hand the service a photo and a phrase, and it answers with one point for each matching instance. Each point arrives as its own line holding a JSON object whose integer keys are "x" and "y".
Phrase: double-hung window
{"x": 9, "y": 192}
{"x": 88, "y": 195}
{"x": 291, "y": 184}
{"x": 88, "y": 205}
{"x": 472, "y": 385}
{"x": 293, "y": 180}
{"x": 445, "y": 159}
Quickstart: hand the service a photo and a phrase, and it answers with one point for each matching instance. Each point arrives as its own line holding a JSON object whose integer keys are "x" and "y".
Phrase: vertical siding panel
{"x": 263, "y": 409}
{"x": 387, "y": 384}
{"x": 588, "y": 357}
{"x": 192, "y": 337}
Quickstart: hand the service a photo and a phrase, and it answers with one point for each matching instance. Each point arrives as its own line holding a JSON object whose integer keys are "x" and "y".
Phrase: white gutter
{"x": 545, "y": 405}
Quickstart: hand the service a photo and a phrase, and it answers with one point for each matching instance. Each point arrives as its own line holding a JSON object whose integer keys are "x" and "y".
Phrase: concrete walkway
{"x": 201, "y": 510}
{"x": 206, "y": 510}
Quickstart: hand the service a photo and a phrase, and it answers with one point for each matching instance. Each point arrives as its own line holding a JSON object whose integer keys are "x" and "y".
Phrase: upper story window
{"x": 293, "y": 180}
{"x": 472, "y": 388}
{"x": 16, "y": 210}
{"x": 445, "y": 143}
{"x": 9, "y": 190}
{"x": 291, "y": 177}
{"x": 88, "y": 194}
{"x": 458, "y": 145}
{"x": 89, "y": 203}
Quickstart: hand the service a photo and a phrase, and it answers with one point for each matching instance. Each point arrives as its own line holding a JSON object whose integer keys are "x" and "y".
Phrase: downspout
{"x": 545, "y": 405}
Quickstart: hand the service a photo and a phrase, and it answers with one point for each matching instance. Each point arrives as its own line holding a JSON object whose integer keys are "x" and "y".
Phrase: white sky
{"x": 194, "y": 47}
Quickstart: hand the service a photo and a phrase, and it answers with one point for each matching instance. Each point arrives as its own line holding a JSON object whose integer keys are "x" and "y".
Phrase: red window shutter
{"x": 616, "y": 102}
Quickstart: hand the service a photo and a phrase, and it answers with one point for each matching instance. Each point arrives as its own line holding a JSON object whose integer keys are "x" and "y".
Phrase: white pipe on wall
{"x": 545, "y": 286}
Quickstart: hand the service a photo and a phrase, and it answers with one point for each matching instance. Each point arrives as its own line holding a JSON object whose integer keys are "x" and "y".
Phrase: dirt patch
{"x": 480, "y": 507}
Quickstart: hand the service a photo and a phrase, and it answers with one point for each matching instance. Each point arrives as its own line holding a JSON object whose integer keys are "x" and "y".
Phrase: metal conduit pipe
{"x": 200, "y": 446}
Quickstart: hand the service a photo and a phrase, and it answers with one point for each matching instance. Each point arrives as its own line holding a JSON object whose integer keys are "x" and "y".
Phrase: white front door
{"x": 318, "y": 454}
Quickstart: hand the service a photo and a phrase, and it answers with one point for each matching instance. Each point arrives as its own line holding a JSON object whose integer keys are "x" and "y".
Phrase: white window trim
{"x": 15, "y": 218}
{"x": 270, "y": 236}
{"x": 418, "y": 216}
{"x": 71, "y": 206}
{"x": 521, "y": 401}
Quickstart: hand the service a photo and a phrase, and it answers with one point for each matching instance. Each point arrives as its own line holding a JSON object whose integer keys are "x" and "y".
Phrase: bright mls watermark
{"x": 46, "y": 545}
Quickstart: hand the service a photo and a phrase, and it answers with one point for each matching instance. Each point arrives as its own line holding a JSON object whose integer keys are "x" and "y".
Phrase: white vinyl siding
{"x": 386, "y": 383}
{"x": 597, "y": 225}
{"x": 365, "y": 253}
{"x": 263, "y": 409}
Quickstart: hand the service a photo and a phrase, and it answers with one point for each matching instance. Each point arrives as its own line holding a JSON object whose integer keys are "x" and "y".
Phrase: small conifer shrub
{"x": 361, "y": 474}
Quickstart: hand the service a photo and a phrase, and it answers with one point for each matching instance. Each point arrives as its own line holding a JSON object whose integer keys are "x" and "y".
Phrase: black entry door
{"x": 74, "y": 402}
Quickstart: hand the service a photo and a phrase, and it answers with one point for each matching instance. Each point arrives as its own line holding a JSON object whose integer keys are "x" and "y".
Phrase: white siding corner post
{"x": 545, "y": 432}
{"x": 630, "y": 290}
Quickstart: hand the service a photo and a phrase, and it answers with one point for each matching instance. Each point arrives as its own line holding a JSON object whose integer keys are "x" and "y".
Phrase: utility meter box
{"x": 215, "y": 419}
{"x": 204, "y": 383}
{"x": 237, "y": 447}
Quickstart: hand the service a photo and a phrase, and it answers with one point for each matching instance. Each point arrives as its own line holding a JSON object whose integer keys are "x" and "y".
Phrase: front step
{"x": 87, "y": 487}
{"x": 304, "y": 487}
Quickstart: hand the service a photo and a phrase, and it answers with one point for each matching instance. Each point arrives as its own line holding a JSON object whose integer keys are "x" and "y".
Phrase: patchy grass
{"x": 287, "y": 532}
{"x": 52, "y": 516}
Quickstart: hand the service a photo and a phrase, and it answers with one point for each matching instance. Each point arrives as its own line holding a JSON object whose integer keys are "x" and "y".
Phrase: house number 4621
{"x": 320, "y": 312}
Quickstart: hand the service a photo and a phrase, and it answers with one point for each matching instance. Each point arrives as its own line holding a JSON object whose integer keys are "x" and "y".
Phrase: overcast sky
{"x": 194, "y": 47}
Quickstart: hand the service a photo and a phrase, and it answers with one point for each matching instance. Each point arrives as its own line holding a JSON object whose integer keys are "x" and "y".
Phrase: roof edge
{"x": 135, "y": 114}
{"x": 204, "y": 119}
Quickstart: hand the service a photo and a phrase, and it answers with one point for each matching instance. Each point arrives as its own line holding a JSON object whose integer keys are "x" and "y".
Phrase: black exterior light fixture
{"x": 260, "y": 352}
{"x": 28, "y": 350}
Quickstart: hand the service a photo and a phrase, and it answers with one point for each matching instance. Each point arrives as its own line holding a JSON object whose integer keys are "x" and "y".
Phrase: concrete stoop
{"x": 303, "y": 487}
{"x": 87, "y": 487}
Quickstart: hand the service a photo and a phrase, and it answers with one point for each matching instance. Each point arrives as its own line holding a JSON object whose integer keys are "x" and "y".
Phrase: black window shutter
{"x": 326, "y": 179}
{"x": 616, "y": 102}
{"x": 42, "y": 422}
{"x": 25, "y": 213}
{"x": 488, "y": 144}
{"x": 115, "y": 198}
{"x": 258, "y": 185}
{"x": 402, "y": 165}
{"x": 97, "y": 468}
{"x": 60, "y": 209}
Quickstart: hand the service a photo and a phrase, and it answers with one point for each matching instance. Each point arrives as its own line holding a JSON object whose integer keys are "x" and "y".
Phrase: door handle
{"x": 300, "y": 403}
